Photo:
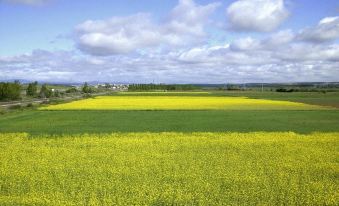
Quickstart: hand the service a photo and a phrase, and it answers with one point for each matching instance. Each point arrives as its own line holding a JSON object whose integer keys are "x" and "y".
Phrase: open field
{"x": 212, "y": 148}
{"x": 78, "y": 122}
{"x": 170, "y": 168}
{"x": 197, "y": 93}
{"x": 180, "y": 103}
{"x": 314, "y": 98}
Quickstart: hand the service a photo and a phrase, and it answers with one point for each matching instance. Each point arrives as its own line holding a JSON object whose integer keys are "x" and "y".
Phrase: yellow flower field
{"x": 179, "y": 103}
{"x": 163, "y": 93}
{"x": 258, "y": 168}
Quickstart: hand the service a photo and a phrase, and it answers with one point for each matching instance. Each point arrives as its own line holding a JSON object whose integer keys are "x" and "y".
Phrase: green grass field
{"x": 77, "y": 122}
{"x": 175, "y": 155}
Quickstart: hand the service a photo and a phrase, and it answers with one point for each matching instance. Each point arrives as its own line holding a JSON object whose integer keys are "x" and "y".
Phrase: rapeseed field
{"x": 258, "y": 168}
{"x": 164, "y": 93}
{"x": 180, "y": 103}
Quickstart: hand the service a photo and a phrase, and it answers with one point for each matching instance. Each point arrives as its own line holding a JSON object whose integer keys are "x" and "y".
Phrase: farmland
{"x": 77, "y": 122}
{"x": 180, "y": 103}
{"x": 194, "y": 148}
{"x": 170, "y": 168}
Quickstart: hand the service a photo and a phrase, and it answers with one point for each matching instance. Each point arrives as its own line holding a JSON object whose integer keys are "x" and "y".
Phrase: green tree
{"x": 45, "y": 92}
{"x": 10, "y": 91}
{"x": 71, "y": 90}
{"x": 107, "y": 86}
{"x": 87, "y": 89}
{"x": 57, "y": 93}
{"x": 32, "y": 89}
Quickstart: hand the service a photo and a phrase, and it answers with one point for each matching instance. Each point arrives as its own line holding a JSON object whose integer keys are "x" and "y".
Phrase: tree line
{"x": 45, "y": 92}
{"x": 10, "y": 91}
{"x": 166, "y": 87}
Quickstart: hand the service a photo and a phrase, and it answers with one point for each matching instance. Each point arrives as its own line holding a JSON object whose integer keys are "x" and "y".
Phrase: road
{"x": 22, "y": 103}
{"x": 33, "y": 101}
{"x": 38, "y": 101}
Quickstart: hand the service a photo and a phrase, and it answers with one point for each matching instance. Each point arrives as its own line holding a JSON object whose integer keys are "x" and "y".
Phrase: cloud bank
{"x": 181, "y": 49}
{"x": 326, "y": 30}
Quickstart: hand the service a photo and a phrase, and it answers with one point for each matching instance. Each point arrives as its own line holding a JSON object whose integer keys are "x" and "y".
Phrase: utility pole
{"x": 262, "y": 87}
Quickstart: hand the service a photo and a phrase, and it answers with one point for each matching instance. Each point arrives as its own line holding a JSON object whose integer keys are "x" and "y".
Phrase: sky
{"x": 169, "y": 41}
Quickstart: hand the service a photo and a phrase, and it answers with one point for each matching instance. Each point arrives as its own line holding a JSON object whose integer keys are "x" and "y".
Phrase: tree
{"x": 107, "y": 86}
{"x": 71, "y": 90}
{"x": 57, "y": 93}
{"x": 32, "y": 89}
{"x": 87, "y": 89}
{"x": 167, "y": 87}
{"x": 45, "y": 92}
{"x": 10, "y": 91}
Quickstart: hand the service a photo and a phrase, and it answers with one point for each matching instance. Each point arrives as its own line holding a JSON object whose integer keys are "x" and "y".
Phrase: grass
{"x": 179, "y": 103}
{"x": 78, "y": 122}
{"x": 170, "y": 169}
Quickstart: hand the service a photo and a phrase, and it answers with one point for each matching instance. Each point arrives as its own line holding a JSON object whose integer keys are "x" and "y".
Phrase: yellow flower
{"x": 180, "y": 103}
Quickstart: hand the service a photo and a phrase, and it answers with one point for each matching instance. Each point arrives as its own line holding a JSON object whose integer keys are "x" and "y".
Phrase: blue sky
{"x": 185, "y": 41}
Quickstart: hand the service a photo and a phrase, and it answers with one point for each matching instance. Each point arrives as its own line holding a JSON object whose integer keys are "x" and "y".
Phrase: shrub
{"x": 29, "y": 105}
{"x": 285, "y": 90}
{"x": 71, "y": 90}
{"x": 87, "y": 89}
{"x": 44, "y": 102}
{"x": 87, "y": 96}
{"x": 15, "y": 107}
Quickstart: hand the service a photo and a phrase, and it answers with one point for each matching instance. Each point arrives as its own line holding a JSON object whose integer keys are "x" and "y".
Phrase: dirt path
{"x": 22, "y": 103}
{"x": 38, "y": 101}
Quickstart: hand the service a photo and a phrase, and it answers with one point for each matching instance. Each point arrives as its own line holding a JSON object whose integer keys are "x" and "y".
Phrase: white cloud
{"x": 280, "y": 38}
{"x": 286, "y": 62}
{"x": 203, "y": 55}
{"x": 256, "y": 15}
{"x": 272, "y": 42}
{"x": 326, "y": 30}
{"x": 188, "y": 18}
{"x": 246, "y": 44}
{"x": 117, "y": 35}
{"x": 121, "y": 35}
{"x": 303, "y": 52}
